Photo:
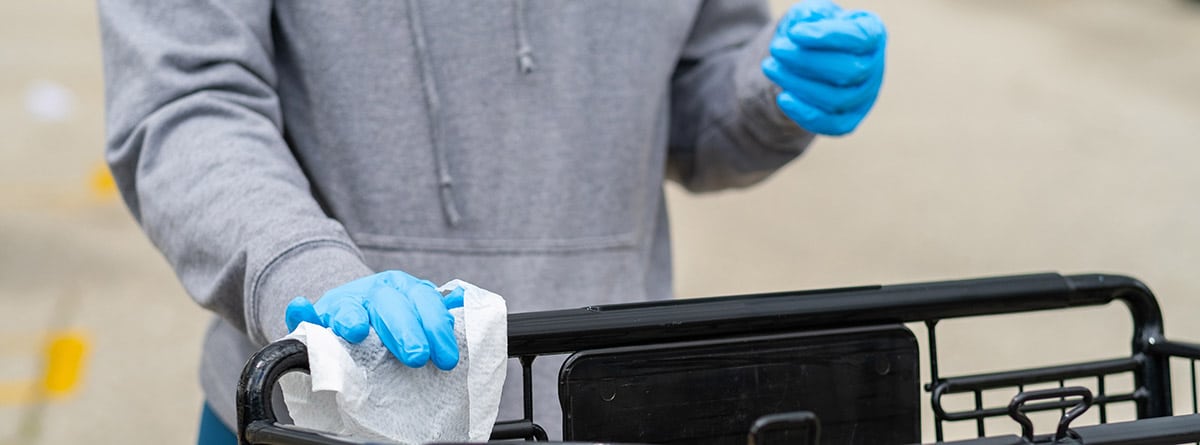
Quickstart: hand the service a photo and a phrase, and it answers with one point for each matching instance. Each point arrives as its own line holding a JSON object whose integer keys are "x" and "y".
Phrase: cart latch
{"x": 1064, "y": 434}
{"x": 790, "y": 421}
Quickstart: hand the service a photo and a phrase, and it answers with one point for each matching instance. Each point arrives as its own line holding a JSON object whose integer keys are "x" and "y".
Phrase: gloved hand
{"x": 829, "y": 63}
{"x": 410, "y": 316}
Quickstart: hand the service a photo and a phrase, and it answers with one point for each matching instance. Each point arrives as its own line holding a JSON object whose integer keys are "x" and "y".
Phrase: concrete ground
{"x": 1011, "y": 136}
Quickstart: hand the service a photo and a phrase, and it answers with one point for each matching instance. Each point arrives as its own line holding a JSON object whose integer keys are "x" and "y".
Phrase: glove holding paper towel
{"x": 361, "y": 390}
{"x": 408, "y": 314}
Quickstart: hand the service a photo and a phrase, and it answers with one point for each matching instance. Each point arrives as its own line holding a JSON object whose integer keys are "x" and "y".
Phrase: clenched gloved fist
{"x": 829, "y": 63}
{"x": 410, "y": 316}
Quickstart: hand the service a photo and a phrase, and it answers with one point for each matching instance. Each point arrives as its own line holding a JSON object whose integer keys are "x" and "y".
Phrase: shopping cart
{"x": 797, "y": 367}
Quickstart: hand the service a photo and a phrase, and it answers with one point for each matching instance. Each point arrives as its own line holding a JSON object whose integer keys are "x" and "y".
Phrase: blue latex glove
{"x": 410, "y": 316}
{"x": 829, "y": 63}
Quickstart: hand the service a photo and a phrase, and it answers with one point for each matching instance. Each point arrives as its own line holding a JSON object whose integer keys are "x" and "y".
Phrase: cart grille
{"x": 1108, "y": 380}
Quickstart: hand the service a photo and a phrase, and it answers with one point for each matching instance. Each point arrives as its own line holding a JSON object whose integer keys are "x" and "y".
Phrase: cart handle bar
{"x": 564, "y": 331}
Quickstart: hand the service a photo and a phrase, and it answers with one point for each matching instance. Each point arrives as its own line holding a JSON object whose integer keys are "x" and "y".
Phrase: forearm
{"x": 726, "y": 129}
{"x": 221, "y": 197}
{"x": 196, "y": 146}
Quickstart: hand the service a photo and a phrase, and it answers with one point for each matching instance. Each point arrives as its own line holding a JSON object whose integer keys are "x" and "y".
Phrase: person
{"x": 348, "y": 152}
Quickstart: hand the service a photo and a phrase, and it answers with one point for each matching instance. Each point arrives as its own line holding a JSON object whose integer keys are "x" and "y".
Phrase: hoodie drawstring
{"x": 524, "y": 50}
{"x": 433, "y": 101}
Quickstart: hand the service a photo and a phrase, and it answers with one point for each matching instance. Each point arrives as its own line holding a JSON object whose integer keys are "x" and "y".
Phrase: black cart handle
{"x": 257, "y": 385}
{"x": 570, "y": 330}
{"x": 261, "y": 373}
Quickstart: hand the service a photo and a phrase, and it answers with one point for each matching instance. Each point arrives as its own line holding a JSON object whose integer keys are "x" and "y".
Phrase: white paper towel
{"x": 361, "y": 390}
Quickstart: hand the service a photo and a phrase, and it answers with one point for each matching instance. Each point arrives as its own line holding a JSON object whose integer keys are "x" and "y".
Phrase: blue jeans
{"x": 212, "y": 431}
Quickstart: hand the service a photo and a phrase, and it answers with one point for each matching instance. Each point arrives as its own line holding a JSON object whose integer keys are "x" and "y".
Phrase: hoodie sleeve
{"x": 726, "y": 130}
{"x": 194, "y": 140}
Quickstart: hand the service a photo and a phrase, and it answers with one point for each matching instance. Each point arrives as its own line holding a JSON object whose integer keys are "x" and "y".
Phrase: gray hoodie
{"x": 275, "y": 149}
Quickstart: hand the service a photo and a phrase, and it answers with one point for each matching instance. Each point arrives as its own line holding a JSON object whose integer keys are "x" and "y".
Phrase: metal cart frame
{"x": 568, "y": 331}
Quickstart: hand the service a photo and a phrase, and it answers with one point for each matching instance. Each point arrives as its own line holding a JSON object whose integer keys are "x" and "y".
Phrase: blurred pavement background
{"x": 1010, "y": 137}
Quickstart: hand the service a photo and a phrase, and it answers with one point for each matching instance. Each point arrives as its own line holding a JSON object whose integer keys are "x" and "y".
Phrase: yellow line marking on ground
{"x": 63, "y": 357}
{"x": 102, "y": 184}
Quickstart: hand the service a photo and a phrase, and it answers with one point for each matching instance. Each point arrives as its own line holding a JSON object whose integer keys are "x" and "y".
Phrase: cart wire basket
{"x": 827, "y": 366}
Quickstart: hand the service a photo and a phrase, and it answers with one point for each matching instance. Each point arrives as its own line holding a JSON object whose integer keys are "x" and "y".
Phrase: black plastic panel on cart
{"x": 861, "y": 382}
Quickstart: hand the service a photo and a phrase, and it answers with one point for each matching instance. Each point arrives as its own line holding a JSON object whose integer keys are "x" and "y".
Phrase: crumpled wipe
{"x": 361, "y": 390}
